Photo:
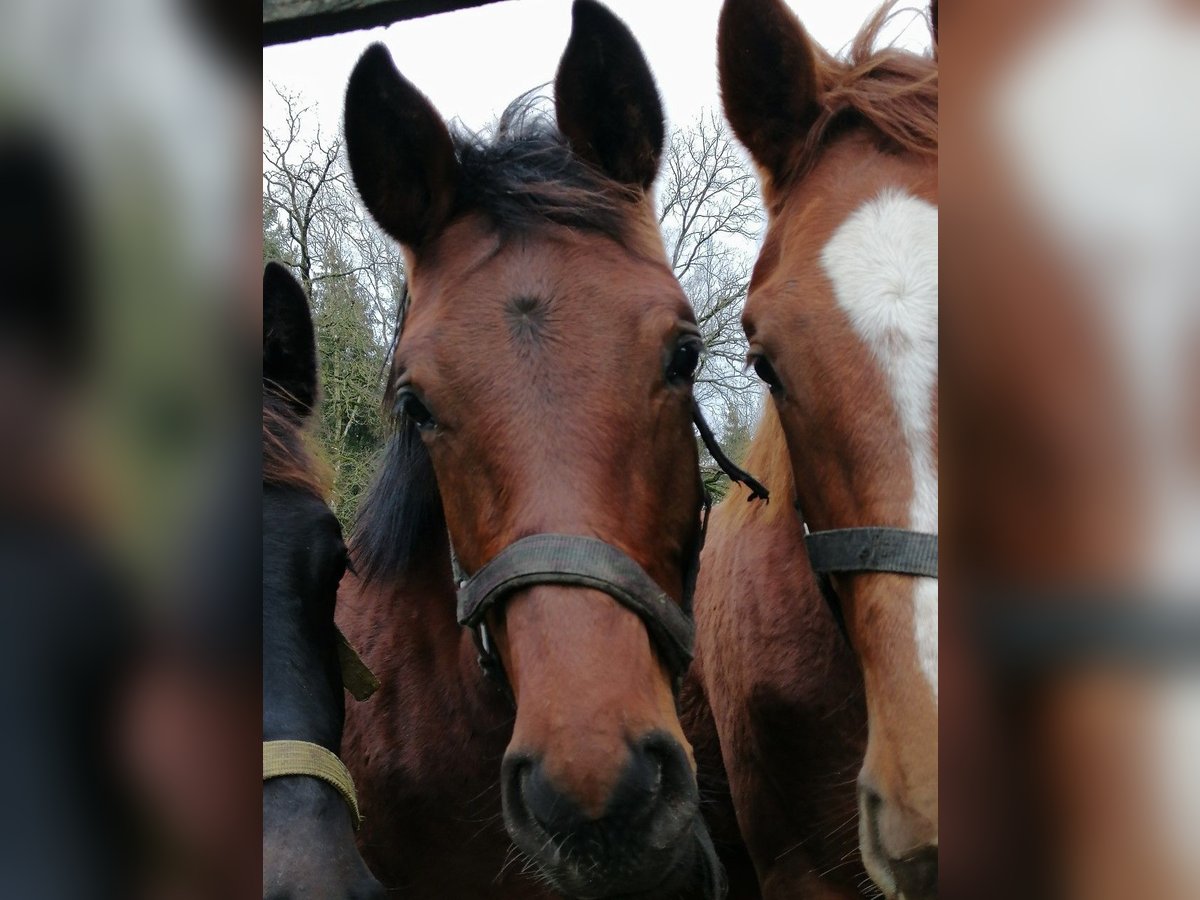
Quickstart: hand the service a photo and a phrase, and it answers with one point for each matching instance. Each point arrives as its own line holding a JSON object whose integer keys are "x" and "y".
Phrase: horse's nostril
{"x": 870, "y": 800}
{"x": 553, "y": 811}
{"x": 917, "y": 874}
{"x": 654, "y": 776}
{"x": 640, "y": 787}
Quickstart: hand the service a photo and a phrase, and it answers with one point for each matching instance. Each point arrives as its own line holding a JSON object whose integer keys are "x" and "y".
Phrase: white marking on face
{"x": 883, "y": 264}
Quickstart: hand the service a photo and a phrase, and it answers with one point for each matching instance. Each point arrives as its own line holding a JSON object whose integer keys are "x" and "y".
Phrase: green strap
{"x": 359, "y": 680}
{"x": 284, "y": 758}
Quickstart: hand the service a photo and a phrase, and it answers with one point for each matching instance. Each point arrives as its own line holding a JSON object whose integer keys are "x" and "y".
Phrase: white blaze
{"x": 883, "y": 264}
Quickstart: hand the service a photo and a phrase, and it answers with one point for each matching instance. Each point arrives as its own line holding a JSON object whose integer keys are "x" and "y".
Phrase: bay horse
{"x": 309, "y": 811}
{"x": 841, "y": 318}
{"x": 541, "y": 388}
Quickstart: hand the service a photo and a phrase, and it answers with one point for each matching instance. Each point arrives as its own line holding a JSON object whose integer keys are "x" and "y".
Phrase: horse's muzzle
{"x": 648, "y": 842}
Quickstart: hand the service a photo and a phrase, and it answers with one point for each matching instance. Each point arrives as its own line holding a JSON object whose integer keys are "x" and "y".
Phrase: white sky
{"x": 473, "y": 62}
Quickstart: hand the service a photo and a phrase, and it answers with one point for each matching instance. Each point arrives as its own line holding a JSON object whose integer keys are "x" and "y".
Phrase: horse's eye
{"x": 684, "y": 360}
{"x": 412, "y": 407}
{"x": 764, "y": 370}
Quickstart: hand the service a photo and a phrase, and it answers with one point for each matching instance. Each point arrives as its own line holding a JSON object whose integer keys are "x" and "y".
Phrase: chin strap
{"x": 727, "y": 465}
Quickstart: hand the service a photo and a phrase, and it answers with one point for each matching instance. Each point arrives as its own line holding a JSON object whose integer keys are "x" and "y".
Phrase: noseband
{"x": 578, "y": 561}
{"x": 870, "y": 549}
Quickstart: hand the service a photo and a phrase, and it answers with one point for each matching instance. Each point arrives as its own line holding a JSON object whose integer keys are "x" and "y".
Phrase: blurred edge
{"x": 1070, "y": 460}
{"x": 130, "y": 629}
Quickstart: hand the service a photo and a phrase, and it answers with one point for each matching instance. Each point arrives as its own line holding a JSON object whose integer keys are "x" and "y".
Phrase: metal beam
{"x": 297, "y": 20}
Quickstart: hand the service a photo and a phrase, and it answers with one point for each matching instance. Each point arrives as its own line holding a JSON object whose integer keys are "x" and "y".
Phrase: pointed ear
{"x": 607, "y": 104}
{"x": 400, "y": 152}
{"x": 933, "y": 23}
{"x": 768, "y": 79}
{"x": 289, "y": 345}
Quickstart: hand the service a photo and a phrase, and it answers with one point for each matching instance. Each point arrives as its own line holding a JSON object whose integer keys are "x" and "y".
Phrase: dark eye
{"x": 410, "y": 405}
{"x": 684, "y": 360}
{"x": 764, "y": 370}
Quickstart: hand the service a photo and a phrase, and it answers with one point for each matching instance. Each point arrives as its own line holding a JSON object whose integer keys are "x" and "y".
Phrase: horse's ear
{"x": 933, "y": 23}
{"x": 289, "y": 345}
{"x": 400, "y": 152}
{"x": 607, "y": 104}
{"x": 768, "y": 79}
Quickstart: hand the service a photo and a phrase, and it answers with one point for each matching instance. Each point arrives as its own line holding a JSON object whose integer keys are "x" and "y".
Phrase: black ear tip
{"x": 370, "y": 60}
{"x": 282, "y": 294}
{"x": 375, "y": 55}
{"x": 275, "y": 275}
{"x": 373, "y": 67}
{"x": 589, "y": 14}
{"x": 585, "y": 8}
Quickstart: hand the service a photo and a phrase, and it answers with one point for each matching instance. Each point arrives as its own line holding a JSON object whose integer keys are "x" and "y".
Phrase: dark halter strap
{"x": 868, "y": 549}
{"x": 874, "y": 549}
{"x": 579, "y": 561}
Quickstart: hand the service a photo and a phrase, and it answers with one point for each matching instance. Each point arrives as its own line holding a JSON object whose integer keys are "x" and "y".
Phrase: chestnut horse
{"x": 842, "y": 323}
{"x": 542, "y": 386}
{"x": 308, "y": 820}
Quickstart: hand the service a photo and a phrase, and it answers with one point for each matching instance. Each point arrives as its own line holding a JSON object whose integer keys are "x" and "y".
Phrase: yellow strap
{"x": 282, "y": 758}
{"x": 358, "y": 679}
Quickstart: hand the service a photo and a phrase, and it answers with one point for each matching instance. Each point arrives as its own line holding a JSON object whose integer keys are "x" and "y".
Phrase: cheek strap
{"x": 359, "y": 680}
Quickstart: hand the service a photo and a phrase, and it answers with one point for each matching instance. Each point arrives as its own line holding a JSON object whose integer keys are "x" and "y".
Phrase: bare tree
{"x": 306, "y": 184}
{"x": 353, "y": 275}
{"x": 710, "y": 215}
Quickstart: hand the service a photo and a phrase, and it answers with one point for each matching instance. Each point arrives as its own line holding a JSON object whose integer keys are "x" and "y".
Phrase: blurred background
{"x": 130, "y": 635}
{"x": 135, "y": 213}
{"x": 1070, "y": 459}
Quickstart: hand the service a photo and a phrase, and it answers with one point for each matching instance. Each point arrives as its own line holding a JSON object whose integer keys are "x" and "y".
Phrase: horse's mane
{"x": 893, "y": 91}
{"x": 522, "y": 174}
{"x": 288, "y": 456}
{"x": 768, "y": 459}
{"x": 400, "y": 520}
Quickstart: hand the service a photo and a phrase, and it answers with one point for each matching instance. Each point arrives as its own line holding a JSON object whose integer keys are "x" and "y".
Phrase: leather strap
{"x": 873, "y": 549}
{"x": 359, "y": 680}
{"x": 583, "y": 562}
{"x": 285, "y": 758}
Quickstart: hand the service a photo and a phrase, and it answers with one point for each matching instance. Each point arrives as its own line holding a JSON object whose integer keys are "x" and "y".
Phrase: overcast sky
{"x": 472, "y": 63}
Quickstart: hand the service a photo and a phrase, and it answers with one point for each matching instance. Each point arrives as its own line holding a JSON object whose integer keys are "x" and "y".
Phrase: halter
{"x": 868, "y": 549}
{"x": 579, "y": 561}
{"x": 286, "y": 758}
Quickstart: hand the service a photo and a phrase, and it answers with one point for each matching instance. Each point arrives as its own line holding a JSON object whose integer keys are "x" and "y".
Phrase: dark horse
{"x": 308, "y": 825}
{"x": 542, "y": 384}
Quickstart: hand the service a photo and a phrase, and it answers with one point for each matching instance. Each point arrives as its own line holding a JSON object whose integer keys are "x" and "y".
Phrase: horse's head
{"x": 308, "y": 835}
{"x": 842, "y": 322}
{"x": 546, "y": 358}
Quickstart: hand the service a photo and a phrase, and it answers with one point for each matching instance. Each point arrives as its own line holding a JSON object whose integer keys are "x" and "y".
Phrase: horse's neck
{"x": 406, "y": 628}
{"x": 761, "y": 614}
